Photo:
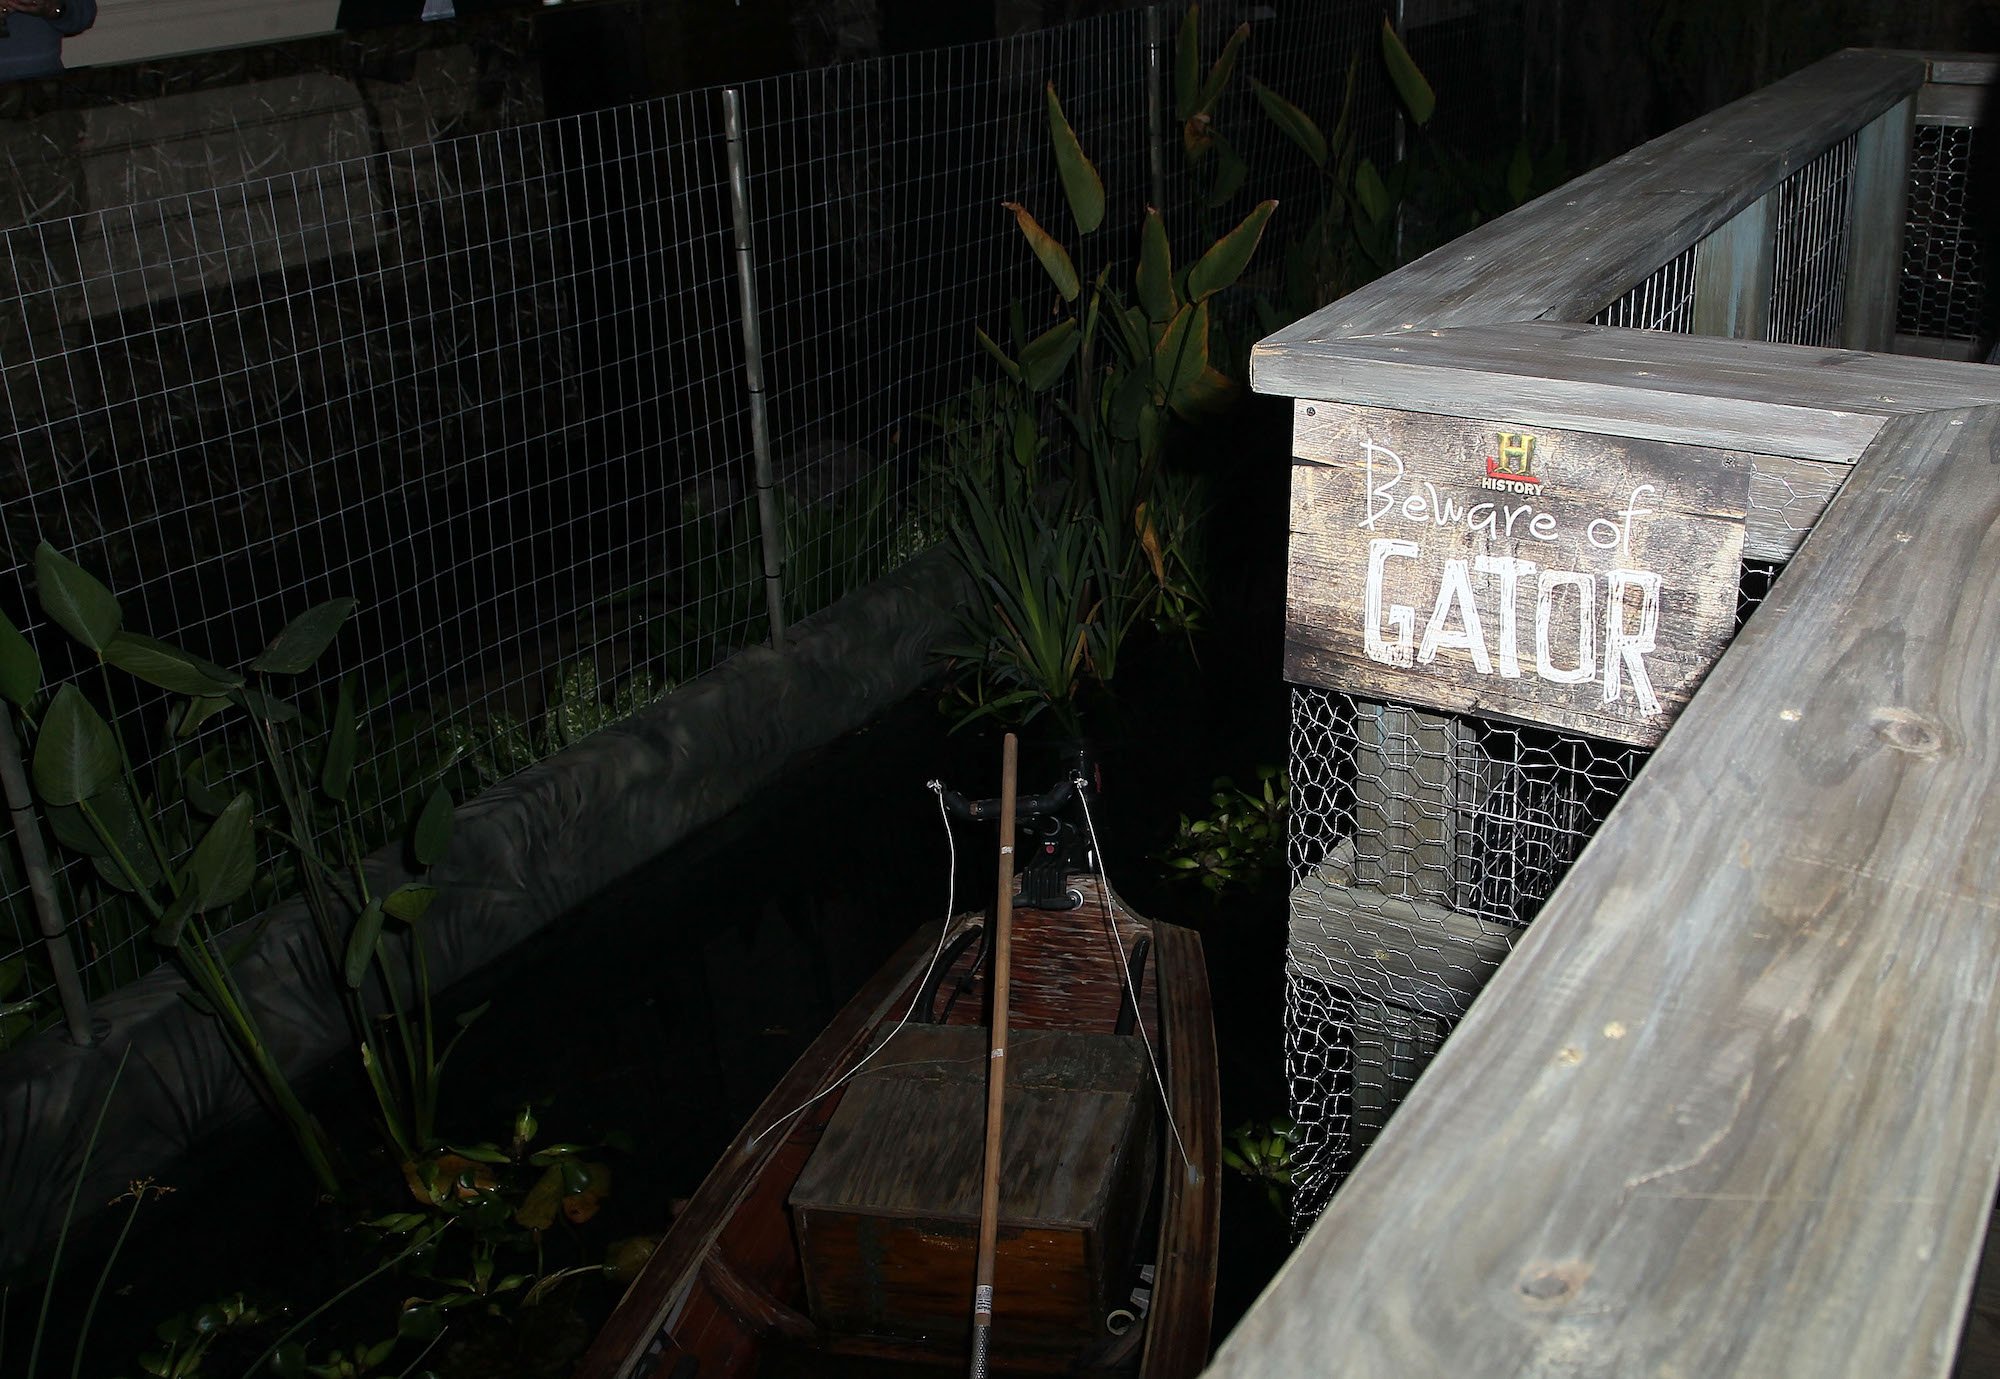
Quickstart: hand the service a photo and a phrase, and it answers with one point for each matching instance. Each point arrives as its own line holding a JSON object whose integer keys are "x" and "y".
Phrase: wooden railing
{"x": 1732, "y": 1106}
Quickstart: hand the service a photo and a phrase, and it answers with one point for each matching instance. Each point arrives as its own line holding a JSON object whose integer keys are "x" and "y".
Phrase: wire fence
{"x": 1423, "y": 843}
{"x": 493, "y": 388}
{"x": 1943, "y": 290}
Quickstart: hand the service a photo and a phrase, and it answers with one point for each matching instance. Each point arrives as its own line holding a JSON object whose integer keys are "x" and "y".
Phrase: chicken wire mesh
{"x": 1422, "y": 845}
{"x": 1943, "y": 289}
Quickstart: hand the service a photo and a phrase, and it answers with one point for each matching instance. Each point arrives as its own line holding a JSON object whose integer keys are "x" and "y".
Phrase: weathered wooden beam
{"x": 1792, "y": 400}
{"x": 1583, "y": 245}
{"x": 1730, "y": 1107}
{"x": 1876, "y": 204}
{"x": 1732, "y": 274}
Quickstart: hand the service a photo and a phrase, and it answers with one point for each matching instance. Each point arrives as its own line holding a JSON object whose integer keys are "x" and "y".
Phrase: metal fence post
{"x": 753, "y": 365}
{"x": 41, "y": 884}
{"x": 1156, "y": 114}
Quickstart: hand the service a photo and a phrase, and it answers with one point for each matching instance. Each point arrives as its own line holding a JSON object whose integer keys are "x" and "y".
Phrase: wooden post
{"x": 1418, "y": 780}
{"x": 996, "y": 1069}
{"x": 1732, "y": 274}
{"x": 1877, "y": 204}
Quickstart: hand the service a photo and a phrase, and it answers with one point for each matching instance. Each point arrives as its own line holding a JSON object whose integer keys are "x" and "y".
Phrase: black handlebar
{"x": 1052, "y": 801}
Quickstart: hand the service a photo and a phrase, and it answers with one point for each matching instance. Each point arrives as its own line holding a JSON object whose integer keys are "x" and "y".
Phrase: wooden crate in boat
{"x": 887, "y": 1210}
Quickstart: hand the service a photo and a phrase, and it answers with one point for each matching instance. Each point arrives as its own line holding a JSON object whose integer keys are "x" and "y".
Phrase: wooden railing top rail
{"x": 1568, "y": 254}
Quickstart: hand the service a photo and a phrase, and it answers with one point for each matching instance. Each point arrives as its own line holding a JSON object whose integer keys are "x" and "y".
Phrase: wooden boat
{"x": 840, "y": 1239}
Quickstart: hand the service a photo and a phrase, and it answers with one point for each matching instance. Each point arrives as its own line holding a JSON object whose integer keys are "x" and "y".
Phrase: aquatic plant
{"x": 1262, "y": 1152}
{"x": 1240, "y": 841}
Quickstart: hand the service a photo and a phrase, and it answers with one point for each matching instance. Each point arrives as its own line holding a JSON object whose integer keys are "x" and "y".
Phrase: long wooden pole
{"x": 996, "y": 1069}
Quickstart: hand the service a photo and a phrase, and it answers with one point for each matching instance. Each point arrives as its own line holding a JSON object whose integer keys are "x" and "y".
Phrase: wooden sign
{"x": 1578, "y": 581}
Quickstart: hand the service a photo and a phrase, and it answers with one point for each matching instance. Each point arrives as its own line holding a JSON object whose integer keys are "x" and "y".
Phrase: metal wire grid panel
{"x": 1943, "y": 293}
{"x": 492, "y": 388}
{"x": 462, "y": 384}
{"x": 882, "y": 240}
{"x": 1809, "y": 261}
{"x": 1664, "y": 301}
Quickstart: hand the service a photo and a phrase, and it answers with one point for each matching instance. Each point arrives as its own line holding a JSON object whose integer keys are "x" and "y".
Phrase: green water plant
{"x": 1262, "y": 1152}
{"x": 194, "y": 847}
{"x": 1240, "y": 841}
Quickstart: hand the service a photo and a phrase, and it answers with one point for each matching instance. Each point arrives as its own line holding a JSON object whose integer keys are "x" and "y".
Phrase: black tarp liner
{"x": 524, "y": 854}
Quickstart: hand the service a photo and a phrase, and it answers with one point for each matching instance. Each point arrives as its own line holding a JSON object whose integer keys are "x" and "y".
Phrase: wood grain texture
{"x": 1398, "y": 519}
{"x": 1877, "y": 200}
{"x": 1732, "y": 274}
{"x": 1730, "y": 1107}
{"x": 1569, "y": 253}
{"x": 1190, "y": 1188}
{"x": 1792, "y": 400}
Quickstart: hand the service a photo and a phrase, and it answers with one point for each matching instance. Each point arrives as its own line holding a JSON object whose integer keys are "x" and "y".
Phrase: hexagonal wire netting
{"x": 1424, "y": 843}
{"x": 1943, "y": 294}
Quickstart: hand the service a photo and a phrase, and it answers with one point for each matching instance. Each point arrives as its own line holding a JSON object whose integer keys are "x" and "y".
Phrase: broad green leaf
{"x": 160, "y": 663}
{"x": 433, "y": 831}
{"x": 76, "y": 755}
{"x": 197, "y": 711}
{"x": 1007, "y": 365}
{"x": 1204, "y": 395}
{"x": 1182, "y": 353}
{"x": 465, "y": 1018}
{"x": 1054, "y": 258}
{"x": 74, "y": 598}
{"x": 1154, "y": 279}
{"x": 361, "y": 944}
{"x": 120, "y": 820}
{"x": 1219, "y": 74}
{"x": 1293, "y": 122}
{"x": 1081, "y": 184}
{"x": 1047, "y": 355}
{"x": 480, "y": 1153}
{"x": 294, "y": 650}
{"x": 1414, "y": 91}
{"x": 263, "y": 706}
{"x": 1371, "y": 193}
{"x": 410, "y": 903}
{"x": 1226, "y": 259}
{"x": 1229, "y": 175}
{"x": 225, "y": 860}
{"x": 1187, "y": 64}
{"x": 167, "y": 932}
{"x": 341, "y": 744}
{"x": 20, "y": 667}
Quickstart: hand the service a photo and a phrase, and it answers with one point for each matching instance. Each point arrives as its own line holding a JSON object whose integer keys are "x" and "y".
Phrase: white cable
{"x": 1125, "y": 967}
{"x": 923, "y": 983}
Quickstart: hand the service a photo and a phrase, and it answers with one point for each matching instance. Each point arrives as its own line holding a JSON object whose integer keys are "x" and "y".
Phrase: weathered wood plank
{"x": 1768, "y": 399}
{"x": 1732, "y": 274}
{"x": 1567, "y": 254}
{"x": 1402, "y": 952}
{"x": 1577, "y": 581}
{"x": 1877, "y": 201}
{"x": 1787, "y": 494}
{"x": 1730, "y": 1107}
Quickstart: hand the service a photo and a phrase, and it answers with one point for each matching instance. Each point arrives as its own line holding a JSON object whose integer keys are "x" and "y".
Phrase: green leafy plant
{"x": 1240, "y": 841}
{"x": 191, "y": 848}
{"x": 1262, "y": 1152}
{"x": 1066, "y": 570}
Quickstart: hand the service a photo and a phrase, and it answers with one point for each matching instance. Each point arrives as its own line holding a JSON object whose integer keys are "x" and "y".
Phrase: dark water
{"x": 659, "y": 1015}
